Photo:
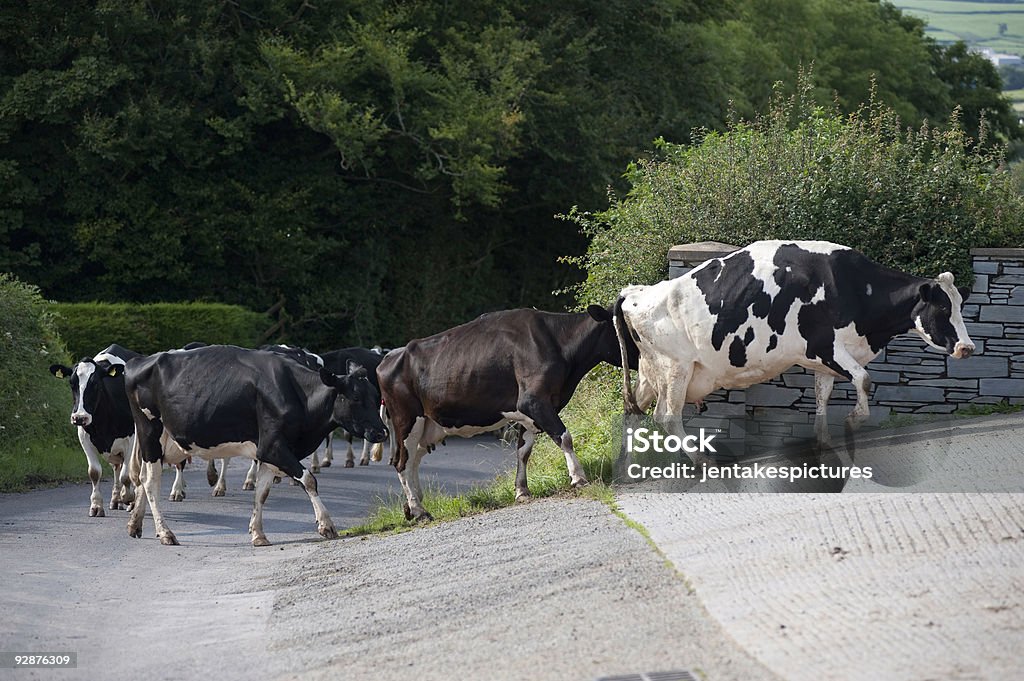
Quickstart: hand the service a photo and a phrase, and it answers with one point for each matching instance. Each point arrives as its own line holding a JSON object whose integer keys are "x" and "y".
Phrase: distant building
{"x": 1000, "y": 58}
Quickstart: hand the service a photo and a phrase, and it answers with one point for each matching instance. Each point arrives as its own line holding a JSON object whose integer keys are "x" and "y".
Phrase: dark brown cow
{"x": 517, "y": 366}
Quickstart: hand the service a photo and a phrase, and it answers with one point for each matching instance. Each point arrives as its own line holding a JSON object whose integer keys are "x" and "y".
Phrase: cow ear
{"x": 327, "y": 378}
{"x": 925, "y": 291}
{"x": 355, "y": 369}
{"x": 965, "y": 292}
{"x": 598, "y": 313}
{"x": 60, "y": 371}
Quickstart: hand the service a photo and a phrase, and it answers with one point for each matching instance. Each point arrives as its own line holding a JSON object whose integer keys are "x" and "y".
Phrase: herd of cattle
{"x": 729, "y": 323}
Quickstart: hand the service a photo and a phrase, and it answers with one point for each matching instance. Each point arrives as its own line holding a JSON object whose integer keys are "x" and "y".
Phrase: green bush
{"x": 37, "y": 444}
{"x": 917, "y": 200}
{"x": 89, "y": 327}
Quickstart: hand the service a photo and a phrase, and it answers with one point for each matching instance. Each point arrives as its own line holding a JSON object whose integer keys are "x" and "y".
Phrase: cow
{"x": 747, "y": 317}
{"x": 337, "y": 361}
{"x": 100, "y": 413}
{"x": 223, "y": 401}
{"x": 519, "y": 366}
{"x": 218, "y": 479}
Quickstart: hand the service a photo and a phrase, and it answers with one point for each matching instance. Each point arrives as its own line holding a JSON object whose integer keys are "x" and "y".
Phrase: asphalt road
{"x": 548, "y": 590}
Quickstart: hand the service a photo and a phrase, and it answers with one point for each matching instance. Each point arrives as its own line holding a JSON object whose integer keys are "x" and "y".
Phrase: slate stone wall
{"x": 908, "y": 377}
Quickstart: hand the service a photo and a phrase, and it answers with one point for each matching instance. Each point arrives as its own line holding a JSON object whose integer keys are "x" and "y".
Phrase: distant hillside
{"x": 984, "y": 23}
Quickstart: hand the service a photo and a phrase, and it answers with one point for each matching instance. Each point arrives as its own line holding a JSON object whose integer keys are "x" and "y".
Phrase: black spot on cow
{"x": 762, "y": 305}
{"x": 772, "y": 343}
{"x": 748, "y": 337}
{"x": 737, "y": 352}
{"x": 729, "y": 288}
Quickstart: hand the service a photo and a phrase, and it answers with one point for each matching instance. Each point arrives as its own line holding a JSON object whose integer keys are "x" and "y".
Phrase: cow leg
{"x": 314, "y": 465}
{"x": 861, "y": 383}
{"x": 524, "y": 447}
{"x": 546, "y": 419}
{"x": 221, "y": 488}
{"x": 250, "y": 476}
{"x": 115, "y": 492}
{"x": 151, "y": 473}
{"x": 350, "y": 455}
{"x": 364, "y": 458}
{"x": 211, "y": 472}
{"x": 822, "y": 391}
{"x": 410, "y": 477}
{"x": 95, "y": 474}
{"x": 264, "y": 479}
{"x": 324, "y": 524}
{"x": 328, "y": 450}
{"x": 124, "y": 480}
{"x": 178, "y": 488}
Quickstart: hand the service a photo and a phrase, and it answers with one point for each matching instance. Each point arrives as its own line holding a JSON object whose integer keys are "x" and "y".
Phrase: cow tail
{"x": 628, "y": 397}
{"x": 377, "y": 451}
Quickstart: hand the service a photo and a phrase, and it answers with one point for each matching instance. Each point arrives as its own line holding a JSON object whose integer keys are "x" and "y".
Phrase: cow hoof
{"x": 327, "y": 532}
{"x": 248, "y": 486}
{"x": 408, "y": 513}
{"x": 218, "y": 492}
{"x": 424, "y": 517}
{"x": 130, "y": 507}
{"x": 523, "y": 496}
{"x": 350, "y": 464}
{"x": 326, "y": 463}
{"x": 169, "y": 539}
{"x": 314, "y": 470}
{"x": 364, "y": 462}
{"x": 176, "y": 496}
{"x": 135, "y": 532}
{"x": 580, "y": 483}
{"x": 96, "y": 512}
{"x": 260, "y": 541}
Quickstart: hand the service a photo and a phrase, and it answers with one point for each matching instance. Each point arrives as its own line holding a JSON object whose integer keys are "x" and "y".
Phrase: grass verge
{"x": 38, "y": 464}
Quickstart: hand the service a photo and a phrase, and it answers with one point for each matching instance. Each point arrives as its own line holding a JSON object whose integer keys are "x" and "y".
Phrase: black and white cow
{"x": 103, "y": 419}
{"x": 223, "y": 401}
{"x": 739, "y": 320}
{"x": 339, "y": 361}
{"x": 518, "y": 366}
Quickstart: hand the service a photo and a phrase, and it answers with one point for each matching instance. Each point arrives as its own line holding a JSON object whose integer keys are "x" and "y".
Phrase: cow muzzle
{"x": 376, "y": 435}
{"x": 81, "y": 419}
{"x": 963, "y": 350}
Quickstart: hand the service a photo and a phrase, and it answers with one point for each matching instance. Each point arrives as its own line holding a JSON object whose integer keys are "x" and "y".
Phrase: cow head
{"x": 89, "y": 381}
{"x": 937, "y": 316}
{"x": 356, "y": 403}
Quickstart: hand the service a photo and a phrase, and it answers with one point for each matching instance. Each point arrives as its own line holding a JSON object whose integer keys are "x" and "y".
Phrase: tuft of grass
{"x": 1003, "y": 407}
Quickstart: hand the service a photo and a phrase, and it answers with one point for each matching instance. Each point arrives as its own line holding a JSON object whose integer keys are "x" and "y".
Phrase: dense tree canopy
{"x": 389, "y": 168}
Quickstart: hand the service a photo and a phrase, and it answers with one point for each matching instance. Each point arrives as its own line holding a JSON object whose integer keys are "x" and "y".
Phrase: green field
{"x": 976, "y": 23}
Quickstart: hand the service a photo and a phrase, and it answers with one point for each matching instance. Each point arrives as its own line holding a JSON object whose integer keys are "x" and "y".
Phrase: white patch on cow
{"x": 519, "y": 418}
{"x": 148, "y": 414}
{"x": 964, "y": 344}
{"x": 173, "y": 453}
{"x": 122, "y": 447}
{"x": 868, "y": 290}
{"x": 819, "y": 295}
{"x": 85, "y": 371}
{"x": 112, "y": 359}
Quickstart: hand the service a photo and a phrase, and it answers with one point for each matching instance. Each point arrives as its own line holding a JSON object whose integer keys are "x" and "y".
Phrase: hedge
{"x": 37, "y": 443}
{"x": 148, "y": 328}
{"x": 916, "y": 200}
